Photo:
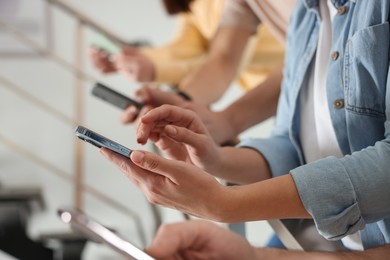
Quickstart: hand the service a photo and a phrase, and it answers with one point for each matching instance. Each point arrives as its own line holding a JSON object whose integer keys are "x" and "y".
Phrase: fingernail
{"x": 140, "y": 136}
{"x": 171, "y": 130}
{"x": 132, "y": 110}
{"x": 137, "y": 156}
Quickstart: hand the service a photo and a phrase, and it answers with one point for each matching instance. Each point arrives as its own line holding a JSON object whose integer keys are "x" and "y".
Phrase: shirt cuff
{"x": 335, "y": 216}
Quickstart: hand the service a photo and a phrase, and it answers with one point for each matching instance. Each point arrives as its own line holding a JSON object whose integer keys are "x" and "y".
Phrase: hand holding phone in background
{"x": 108, "y": 57}
{"x": 135, "y": 65}
{"x": 101, "y": 60}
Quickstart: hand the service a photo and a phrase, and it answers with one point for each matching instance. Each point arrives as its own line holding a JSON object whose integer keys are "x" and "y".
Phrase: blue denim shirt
{"x": 352, "y": 193}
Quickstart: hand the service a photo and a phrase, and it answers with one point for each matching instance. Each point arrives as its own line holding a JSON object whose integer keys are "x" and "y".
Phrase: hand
{"x": 100, "y": 59}
{"x": 181, "y": 135}
{"x": 135, "y": 65}
{"x": 217, "y": 123}
{"x": 151, "y": 97}
{"x": 173, "y": 184}
{"x": 199, "y": 239}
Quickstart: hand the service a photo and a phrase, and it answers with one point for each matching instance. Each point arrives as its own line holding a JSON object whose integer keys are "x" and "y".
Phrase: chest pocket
{"x": 366, "y": 68}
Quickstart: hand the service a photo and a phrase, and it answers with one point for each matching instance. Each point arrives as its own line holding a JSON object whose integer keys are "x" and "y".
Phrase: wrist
{"x": 223, "y": 209}
{"x": 229, "y": 115}
{"x": 183, "y": 94}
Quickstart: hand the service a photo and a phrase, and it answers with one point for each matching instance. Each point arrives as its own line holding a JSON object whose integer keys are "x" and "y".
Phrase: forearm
{"x": 240, "y": 165}
{"x": 173, "y": 70}
{"x": 256, "y": 105}
{"x": 275, "y": 198}
{"x": 209, "y": 82}
{"x": 375, "y": 253}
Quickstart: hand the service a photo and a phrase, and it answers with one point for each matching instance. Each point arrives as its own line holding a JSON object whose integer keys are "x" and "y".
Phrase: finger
{"x": 159, "y": 165}
{"x": 168, "y": 114}
{"x": 143, "y": 134}
{"x": 143, "y": 94}
{"x": 129, "y": 115}
{"x": 183, "y": 135}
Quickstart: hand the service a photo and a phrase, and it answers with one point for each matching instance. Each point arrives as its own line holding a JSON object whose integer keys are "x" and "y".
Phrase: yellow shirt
{"x": 189, "y": 47}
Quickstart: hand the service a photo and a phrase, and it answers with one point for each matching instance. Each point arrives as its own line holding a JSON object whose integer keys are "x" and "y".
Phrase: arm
{"x": 181, "y": 135}
{"x": 175, "y": 184}
{"x": 252, "y": 108}
{"x": 199, "y": 239}
{"x": 255, "y": 106}
{"x": 211, "y": 80}
{"x": 174, "y": 60}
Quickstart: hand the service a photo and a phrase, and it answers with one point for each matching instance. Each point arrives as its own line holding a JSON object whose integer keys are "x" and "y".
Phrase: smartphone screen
{"x": 113, "y": 97}
{"x": 97, "y": 232}
{"x": 100, "y": 141}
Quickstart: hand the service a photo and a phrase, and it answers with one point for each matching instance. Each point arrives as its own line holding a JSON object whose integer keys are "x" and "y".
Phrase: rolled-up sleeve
{"x": 342, "y": 195}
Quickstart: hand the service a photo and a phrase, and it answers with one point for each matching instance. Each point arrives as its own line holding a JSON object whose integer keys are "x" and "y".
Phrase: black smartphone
{"x": 99, "y": 233}
{"x": 98, "y": 140}
{"x": 113, "y": 97}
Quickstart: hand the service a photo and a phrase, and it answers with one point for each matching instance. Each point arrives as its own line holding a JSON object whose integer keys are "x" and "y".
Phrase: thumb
{"x": 157, "y": 164}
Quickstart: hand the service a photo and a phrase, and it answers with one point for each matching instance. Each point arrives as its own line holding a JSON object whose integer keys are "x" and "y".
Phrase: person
{"x": 199, "y": 239}
{"x": 172, "y": 62}
{"x": 220, "y": 68}
{"x": 328, "y": 153}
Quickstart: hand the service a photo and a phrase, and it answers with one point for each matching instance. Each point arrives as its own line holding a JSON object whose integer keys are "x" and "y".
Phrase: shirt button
{"x": 339, "y": 103}
{"x": 341, "y": 10}
{"x": 335, "y": 55}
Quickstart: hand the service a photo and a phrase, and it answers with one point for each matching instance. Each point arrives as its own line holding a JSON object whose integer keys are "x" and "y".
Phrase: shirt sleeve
{"x": 343, "y": 195}
{"x": 237, "y": 13}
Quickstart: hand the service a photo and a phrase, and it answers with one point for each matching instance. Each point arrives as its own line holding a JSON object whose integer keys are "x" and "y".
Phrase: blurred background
{"x": 45, "y": 84}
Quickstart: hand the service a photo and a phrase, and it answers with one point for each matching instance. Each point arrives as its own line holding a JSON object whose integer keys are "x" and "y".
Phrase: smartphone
{"x": 105, "y": 44}
{"x": 99, "y": 233}
{"x": 113, "y": 97}
{"x": 100, "y": 141}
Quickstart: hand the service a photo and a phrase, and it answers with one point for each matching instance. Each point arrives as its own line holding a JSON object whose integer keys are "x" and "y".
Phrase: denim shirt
{"x": 352, "y": 193}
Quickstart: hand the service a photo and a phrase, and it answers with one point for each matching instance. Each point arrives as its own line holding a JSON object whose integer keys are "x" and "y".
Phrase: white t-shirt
{"x": 317, "y": 134}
